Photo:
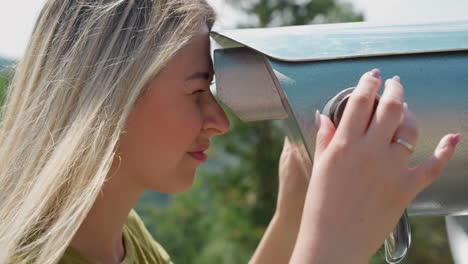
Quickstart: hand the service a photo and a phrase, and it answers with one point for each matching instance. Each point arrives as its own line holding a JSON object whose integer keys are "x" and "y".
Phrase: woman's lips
{"x": 200, "y": 156}
{"x": 198, "y": 152}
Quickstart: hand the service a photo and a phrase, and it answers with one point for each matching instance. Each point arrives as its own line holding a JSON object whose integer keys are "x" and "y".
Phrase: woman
{"x": 112, "y": 98}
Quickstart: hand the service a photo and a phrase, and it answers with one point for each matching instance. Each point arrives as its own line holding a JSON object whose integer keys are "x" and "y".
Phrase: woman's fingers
{"x": 359, "y": 107}
{"x": 388, "y": 113}
{"x": 408, "y": 131}
{"x": 428, "y": 170}
{"x": 325, "y": 132}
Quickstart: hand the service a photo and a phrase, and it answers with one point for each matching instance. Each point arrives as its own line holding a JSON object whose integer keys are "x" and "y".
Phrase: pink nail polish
{"x": 455, "y": 139}
{"x": 405, "y": 106}
{"x": 375, "y": 73}
{"x": 317, "y": 119}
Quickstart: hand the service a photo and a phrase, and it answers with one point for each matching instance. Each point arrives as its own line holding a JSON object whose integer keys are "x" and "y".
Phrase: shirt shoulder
{"x": 140, "y": 246}
{"x": 142, "y": 243}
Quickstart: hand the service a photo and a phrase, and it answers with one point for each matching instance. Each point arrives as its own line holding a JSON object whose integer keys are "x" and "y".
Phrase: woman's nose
{"x": 215, "y": 119}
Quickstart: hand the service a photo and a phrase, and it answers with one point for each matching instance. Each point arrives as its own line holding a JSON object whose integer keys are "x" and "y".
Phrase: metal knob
{"x": 399, "y": 240}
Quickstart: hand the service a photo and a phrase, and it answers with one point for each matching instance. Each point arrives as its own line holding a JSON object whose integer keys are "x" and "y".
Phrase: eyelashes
{"x": 199, "y": 91}
{"x": 210, "y": 80}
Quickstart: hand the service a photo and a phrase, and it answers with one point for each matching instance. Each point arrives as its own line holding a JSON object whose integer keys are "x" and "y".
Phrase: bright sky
{"x": 17, "y": 17}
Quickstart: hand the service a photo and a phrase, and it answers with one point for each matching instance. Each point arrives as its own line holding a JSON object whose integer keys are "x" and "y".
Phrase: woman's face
{"x": 172, "y": 123}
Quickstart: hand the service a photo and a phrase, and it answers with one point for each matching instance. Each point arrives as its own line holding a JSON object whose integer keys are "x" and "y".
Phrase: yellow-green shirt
{"x": 140, "y": 247}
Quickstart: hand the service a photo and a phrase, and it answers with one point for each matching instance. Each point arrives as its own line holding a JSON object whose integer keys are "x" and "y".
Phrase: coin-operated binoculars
{"x": 289, "y": 72}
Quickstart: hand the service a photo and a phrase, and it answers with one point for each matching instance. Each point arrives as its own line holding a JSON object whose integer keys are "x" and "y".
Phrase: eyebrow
{"x": 199, "y": 75}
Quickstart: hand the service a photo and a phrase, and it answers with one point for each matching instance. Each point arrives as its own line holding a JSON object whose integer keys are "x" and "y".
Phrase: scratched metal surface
{"x": 436, "y": 89}
{"x": 332, "y": 41}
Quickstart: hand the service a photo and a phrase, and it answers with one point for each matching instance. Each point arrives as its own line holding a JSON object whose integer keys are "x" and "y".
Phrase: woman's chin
{"x": 179, "y": 183}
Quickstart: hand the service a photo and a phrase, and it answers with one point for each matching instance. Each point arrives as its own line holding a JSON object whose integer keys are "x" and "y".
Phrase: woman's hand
{"x": 293, "y": 182}
{"x": 280, "y": 237}
{"x": 361, "y": 183}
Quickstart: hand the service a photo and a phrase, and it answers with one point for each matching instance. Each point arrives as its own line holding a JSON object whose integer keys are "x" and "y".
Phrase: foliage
{"x": 5, "y": 77}
{"x": 223, "y": 216}
{"x": 287, "y": 12}
{"x": 429, "y": 243}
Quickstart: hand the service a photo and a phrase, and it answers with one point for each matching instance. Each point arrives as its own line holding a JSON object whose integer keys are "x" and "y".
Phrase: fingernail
{"x": 375, "y": 73}
{"x": 455, "y": 139}
{"x": 405, "y": 106}
{"x": 397, "y": 78}
{"x": 317, "y": 119}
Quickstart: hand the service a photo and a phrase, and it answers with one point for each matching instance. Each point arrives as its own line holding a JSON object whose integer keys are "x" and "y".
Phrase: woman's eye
{"x": 199, "y": 91}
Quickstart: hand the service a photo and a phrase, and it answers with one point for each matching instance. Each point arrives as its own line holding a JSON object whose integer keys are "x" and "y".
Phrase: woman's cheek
{"x": 192, "y": 117}
{"x": 186, "y": 127}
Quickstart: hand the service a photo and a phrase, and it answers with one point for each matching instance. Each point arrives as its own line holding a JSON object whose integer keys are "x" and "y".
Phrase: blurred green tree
{"x": 268, "y": 13}
{"x": 5, "y": 77}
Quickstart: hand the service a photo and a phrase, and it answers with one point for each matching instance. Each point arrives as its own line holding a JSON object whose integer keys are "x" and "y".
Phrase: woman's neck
{"x": 100, "y": 236}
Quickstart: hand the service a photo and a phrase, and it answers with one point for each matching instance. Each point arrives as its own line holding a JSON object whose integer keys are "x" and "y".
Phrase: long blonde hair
{"x": 87, "y": 63}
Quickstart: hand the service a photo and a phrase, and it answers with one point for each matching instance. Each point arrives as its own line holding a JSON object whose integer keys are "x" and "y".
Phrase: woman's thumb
{"x": 325, "y": 132}
{"x": 429, "y": 169}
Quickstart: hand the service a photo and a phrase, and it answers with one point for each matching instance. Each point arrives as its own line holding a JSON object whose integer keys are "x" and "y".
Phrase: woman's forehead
{"x": 198, "y": 48}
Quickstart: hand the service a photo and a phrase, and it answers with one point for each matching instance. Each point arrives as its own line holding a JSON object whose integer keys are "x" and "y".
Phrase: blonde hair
{"x": 87, "y": 63}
